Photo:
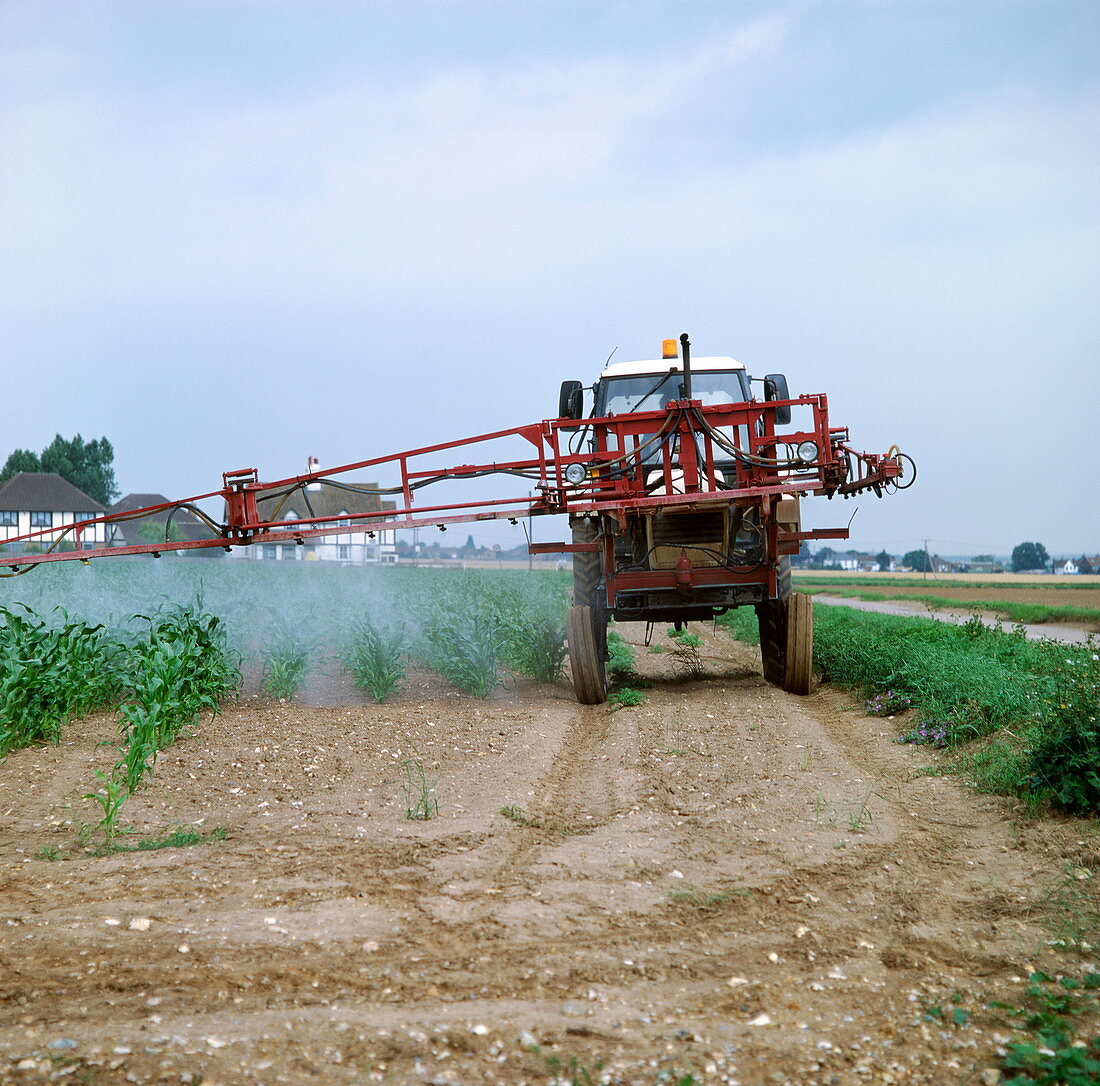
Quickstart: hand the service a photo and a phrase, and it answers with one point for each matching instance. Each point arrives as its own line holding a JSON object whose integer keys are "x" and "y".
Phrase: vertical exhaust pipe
{"x": 685, "y": 351}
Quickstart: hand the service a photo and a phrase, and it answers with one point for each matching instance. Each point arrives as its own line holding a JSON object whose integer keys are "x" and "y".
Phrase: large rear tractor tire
{"x": 586, "y": 631}
{"x": 586, "y": 623}
{"x": 771, "y": 617}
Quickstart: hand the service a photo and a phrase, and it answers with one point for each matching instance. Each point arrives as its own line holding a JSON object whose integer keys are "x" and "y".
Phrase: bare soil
{"x": 727, "y": 881}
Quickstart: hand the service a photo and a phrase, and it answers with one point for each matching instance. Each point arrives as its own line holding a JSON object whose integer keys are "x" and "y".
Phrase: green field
{"x": 1033, "y": 604}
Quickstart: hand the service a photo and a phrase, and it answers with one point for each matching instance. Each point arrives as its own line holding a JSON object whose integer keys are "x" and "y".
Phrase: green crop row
{"x": 50, "y": 673}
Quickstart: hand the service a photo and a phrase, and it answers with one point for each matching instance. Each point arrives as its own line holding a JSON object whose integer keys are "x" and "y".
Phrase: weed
{"x": 927, "y": 733}
{"x": 860, "y": 820}
{"x": 686, "y": 658}
{"x": 888, "y": 703}
{"x": 376, "y": 656}
{"x": 690, "y": 640}
{"x": 626, "y": 697}
{"x": 537, "y": 822}
{"x": 1065, "y": 764}
{"x": 620, "y": 662}
{"x": 50, "y": 852}
{"x": 701, "y": 899}
{"x": 657, "y": 648}
{"x": 180, "y": 837}
{"x": 572, "y": 1072}
{"x": 1071, "y": 911}
{"x": 421, "y": 804}
{"x": 1053, "y": 1056}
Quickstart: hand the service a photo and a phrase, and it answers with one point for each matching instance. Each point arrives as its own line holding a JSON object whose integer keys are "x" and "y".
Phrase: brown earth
{"x": 727, "y": 881}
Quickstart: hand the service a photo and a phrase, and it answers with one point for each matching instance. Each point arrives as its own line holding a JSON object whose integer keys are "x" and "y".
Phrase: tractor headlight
{"x": 575, "y": 474}
{"x": 808, "y": 452}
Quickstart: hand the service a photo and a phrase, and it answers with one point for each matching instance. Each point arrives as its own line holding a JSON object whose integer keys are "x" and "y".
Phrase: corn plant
{"x": 535, "y": 646}
{"x": 286, "y": 666}
{"x": 110, "y": 798}
{"x": 376, "y": 656}
{"x": 465, "y": 650}
{"x": 290, "y": 644}
{"x": 49, "y": 673}
{"x": 178, "y": 670}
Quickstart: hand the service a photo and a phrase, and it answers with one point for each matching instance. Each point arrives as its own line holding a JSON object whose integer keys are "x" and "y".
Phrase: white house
{"x": 43, "y": 501}
{"x": 323, "y": 500}
{"x": 1068, "y": 566}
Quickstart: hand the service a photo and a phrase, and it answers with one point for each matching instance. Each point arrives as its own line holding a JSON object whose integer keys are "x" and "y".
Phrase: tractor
{"x": 680, "y": 486}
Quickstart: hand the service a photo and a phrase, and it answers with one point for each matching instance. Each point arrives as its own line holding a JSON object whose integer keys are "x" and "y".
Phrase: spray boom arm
{"x": 687, "y": 454}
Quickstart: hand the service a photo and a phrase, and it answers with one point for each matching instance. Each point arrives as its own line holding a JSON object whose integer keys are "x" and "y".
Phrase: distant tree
{"x": 151, "y": 531}
{"x": 1029, "y": 556}
{"x": 917, "y": 560}
{"x": 20, "y": 460}
{"x": 883, "y": 560}
{"x": 87, "y": 465}
{"x": 983, "y": 558}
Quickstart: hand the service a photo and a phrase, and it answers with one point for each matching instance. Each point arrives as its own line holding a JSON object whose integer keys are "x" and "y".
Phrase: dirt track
{"x": 728, "y": 880}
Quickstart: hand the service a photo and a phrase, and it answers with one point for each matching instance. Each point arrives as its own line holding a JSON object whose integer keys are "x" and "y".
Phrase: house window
{"x": 343, "y": 552}
{"x": 271, "y": 551}
{"x": 9, "y": 518}
{"x": 288, "y": 551}
{"x": 345, "y": 522}
{"x": 41, "y": 519}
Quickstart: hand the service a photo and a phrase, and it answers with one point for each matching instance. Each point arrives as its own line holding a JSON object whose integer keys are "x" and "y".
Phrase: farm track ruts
{"x": 723, "y": 831}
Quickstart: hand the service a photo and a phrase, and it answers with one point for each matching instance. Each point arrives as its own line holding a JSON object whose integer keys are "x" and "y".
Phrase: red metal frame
{"x": 627, "y": 470}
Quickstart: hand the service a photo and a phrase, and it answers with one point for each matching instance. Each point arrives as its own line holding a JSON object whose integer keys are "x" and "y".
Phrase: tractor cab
{"x": 627, "y": 387}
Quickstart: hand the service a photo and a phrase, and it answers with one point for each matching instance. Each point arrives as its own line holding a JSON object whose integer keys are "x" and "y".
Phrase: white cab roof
{"x": 663, "y": 365}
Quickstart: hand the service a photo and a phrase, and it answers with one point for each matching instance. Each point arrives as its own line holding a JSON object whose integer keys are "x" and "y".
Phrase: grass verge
{"x": 1020, "y": 717}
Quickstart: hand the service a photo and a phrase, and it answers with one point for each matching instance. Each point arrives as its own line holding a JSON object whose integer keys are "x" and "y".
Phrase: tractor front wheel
{"x": 586, "y": 633}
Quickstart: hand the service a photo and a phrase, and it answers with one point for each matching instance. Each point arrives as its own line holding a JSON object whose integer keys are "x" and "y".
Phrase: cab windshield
{"x": 651, "y": 391}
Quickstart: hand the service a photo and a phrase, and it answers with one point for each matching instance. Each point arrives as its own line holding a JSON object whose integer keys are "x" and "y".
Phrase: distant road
{"x": 1037, "y": 632}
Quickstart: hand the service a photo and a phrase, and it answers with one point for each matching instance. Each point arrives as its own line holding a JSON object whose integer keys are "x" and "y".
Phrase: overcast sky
{"x": 237, "y": 233}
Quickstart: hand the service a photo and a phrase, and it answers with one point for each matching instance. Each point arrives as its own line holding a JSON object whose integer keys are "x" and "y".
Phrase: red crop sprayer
{"x": 681, "y": 487}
